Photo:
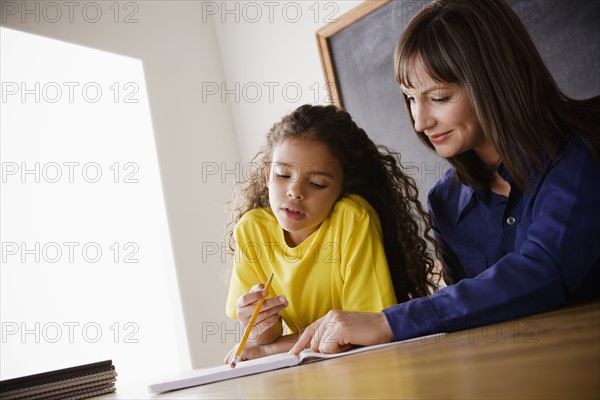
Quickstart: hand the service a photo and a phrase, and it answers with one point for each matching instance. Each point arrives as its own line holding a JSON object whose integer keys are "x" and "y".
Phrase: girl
{"x": 517, "y": 216}
{"x": 313, "y": 219}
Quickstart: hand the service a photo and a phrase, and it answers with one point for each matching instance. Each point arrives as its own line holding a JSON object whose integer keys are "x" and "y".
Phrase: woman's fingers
{"x": 338, "y": 330}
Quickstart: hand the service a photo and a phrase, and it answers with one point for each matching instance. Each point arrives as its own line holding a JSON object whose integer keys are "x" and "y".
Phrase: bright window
{"x": 87, "y": 269}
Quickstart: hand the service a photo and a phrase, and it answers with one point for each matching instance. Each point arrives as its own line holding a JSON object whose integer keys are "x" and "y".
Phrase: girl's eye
{"x": 318, "y": 186}
{"x": 440, "y": 99}
{"x": 282, "y": 176}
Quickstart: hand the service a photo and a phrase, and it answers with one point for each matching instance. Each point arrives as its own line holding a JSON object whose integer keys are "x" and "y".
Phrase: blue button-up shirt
{"x": 536, "y": 250}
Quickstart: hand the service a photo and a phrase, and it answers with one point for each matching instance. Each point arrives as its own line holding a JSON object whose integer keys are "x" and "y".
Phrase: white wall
{"x": 271, "y": 46}
{"x": 203, "y": 63}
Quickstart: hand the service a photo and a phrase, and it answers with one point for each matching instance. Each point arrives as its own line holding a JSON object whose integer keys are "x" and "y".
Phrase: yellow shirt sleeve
{"x": 247, "y": 269}
{"x": 367, "y": 283}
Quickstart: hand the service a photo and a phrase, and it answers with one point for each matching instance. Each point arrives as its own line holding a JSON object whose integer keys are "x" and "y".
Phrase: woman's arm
{"x": 549, "y": 267}
{"x": 556, "y": 258}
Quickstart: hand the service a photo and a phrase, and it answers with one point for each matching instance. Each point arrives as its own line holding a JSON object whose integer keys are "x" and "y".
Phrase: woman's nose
{"x": 422, "y": 117}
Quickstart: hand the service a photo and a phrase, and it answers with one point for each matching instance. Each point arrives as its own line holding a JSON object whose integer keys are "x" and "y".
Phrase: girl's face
{"x": 444, "y": 113}
{"x": 304, "y": 181}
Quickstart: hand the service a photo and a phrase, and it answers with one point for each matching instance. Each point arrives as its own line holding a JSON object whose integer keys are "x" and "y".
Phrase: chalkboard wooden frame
{"x": 324, "y": 36}
{"x": 528, "y": 10}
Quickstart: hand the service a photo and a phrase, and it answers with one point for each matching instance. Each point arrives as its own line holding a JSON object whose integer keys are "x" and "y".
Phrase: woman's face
{"x": 305, "y": 180}
{"x": 444, "y": 113}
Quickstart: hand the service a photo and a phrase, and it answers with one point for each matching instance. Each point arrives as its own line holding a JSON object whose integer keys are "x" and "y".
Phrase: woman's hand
{"x": 339, "y": 330}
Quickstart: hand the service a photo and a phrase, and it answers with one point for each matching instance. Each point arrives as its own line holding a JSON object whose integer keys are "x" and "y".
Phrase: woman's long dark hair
{"x": 483, "y": 46}
{"x": 371, "y": 171}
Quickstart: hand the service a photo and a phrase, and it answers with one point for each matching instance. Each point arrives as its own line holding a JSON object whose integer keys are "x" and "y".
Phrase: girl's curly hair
{"x": 371, "y": 171}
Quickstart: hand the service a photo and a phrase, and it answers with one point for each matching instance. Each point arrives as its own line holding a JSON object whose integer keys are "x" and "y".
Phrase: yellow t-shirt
{"x": 341, "y": 265}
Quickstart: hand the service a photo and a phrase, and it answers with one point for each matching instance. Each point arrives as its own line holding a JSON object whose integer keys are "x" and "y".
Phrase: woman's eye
{"x": 282, "y": 176}
{"x": 318, "y": 185}
{"x": 440, "y": 99}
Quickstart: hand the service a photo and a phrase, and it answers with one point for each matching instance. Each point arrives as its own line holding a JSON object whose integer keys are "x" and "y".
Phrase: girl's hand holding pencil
{"x": 269, "y": 312}
{"x": 260, "y": 317}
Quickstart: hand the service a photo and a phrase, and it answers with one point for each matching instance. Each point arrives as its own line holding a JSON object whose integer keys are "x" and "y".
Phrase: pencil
{"x": 240, "y": 348}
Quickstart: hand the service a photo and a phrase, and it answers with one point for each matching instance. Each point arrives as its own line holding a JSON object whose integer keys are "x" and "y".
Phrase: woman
{"x": 517, "y": 216}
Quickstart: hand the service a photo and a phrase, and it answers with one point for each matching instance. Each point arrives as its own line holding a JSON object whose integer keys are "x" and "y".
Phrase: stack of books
{"x": 79, "y": 382}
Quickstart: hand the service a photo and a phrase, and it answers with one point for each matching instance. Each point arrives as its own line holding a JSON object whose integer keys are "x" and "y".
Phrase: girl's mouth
{"x": 292, "y": 213}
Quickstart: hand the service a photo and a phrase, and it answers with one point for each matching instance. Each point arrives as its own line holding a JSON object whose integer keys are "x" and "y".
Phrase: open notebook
{"x": 209, "y": 375}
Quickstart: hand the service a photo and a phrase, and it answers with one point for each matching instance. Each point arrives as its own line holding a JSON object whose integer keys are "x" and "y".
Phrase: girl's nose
{"x": 295, "y": 190}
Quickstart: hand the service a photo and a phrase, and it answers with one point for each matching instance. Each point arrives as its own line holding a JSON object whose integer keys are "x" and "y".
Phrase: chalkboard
{"x": 357, "y": 56}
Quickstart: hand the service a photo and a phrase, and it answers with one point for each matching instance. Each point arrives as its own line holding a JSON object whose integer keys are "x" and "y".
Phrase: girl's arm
{"x": 254, "y": 350}
{"x": 268, "y": 326}
{"x": 243, "y": 297}
{"x": 269, "y": 335}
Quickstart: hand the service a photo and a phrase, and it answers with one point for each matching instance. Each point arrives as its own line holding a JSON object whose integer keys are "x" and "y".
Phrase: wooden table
{"x": 545, "y": 356}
